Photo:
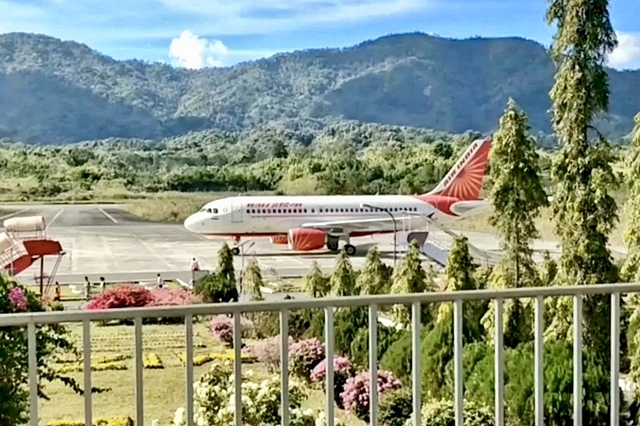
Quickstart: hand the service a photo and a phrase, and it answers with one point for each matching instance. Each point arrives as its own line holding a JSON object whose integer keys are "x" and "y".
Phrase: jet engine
{"x": 279, "y": 239}
{"x": 300, "y": 239}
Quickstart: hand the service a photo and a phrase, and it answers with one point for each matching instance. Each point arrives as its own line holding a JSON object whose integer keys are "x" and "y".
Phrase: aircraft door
{"x": 236, "y": 212}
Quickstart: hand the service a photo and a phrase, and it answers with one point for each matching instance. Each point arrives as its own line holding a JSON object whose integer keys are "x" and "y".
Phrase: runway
{"x": 104, "y": 240}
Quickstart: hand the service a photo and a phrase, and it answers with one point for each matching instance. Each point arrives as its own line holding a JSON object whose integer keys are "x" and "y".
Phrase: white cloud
{"x": 191, "y": 51}
{"x": 627, "y": 54}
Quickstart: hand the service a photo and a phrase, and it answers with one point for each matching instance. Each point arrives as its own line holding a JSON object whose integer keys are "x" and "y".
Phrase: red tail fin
{"x": 464, "y": 180}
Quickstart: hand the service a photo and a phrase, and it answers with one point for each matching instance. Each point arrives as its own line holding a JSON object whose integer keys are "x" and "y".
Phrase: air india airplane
{"x": 306, "y": 223}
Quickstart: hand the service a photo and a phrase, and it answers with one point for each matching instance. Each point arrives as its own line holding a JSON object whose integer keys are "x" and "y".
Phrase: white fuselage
{"x": 276, "y": 215}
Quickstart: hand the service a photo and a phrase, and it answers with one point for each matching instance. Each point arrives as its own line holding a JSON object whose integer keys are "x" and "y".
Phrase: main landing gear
{"x": 333, "y": 245}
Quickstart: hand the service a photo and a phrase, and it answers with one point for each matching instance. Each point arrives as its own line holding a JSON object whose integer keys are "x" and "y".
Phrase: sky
{"x": 204, "y": 33}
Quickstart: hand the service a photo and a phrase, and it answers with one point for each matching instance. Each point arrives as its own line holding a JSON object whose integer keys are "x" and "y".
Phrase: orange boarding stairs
{"x": 24, "y": 242}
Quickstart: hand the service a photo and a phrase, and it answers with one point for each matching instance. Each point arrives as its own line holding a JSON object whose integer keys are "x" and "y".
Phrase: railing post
{"x": 577, "y": 360}
{"x": 373, "y": 365}
{"x": 539, "y": 361}
{"x": 139, "y": 371}
{"x": 237, "y": 367}
{"x": 457, "y": 361}
{"x": 615, "y": 359}
{"x": 499, "y": 364}
{"x": 188, "y": 319}
{"x": 33, "y": 373}
{"x": 86, "y": 354}
{"x": 328, "y": 336}
{"x": 284, "y": 366}
{"x": 416, "y": 358}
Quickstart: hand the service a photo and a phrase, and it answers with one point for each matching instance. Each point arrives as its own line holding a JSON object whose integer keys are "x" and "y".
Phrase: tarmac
{"x": 104, "y": 240}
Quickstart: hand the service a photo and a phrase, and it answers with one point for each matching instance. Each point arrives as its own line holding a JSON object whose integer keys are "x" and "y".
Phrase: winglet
{"x": 464, "y": 180}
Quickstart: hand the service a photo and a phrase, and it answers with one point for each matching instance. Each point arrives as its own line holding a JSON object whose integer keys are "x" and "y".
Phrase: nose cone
{"x": 192, "y": 223}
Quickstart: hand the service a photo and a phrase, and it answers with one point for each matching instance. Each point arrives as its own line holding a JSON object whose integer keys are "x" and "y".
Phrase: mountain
{"x": 54, "y": 91}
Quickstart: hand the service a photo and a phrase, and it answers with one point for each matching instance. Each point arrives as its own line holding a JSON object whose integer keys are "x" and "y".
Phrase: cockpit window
{"x": 215, "y": 211}
{"x": 209, "y": 210}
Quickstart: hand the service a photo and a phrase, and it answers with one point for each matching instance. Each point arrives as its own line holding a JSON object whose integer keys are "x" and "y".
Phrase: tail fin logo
{"x": 464, "y": 180}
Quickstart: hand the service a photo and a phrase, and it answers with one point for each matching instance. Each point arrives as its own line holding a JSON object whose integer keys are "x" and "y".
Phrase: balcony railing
{"x": 31, "y": 320}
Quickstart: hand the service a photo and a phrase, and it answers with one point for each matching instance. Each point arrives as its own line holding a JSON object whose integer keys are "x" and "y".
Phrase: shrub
{"x": 172, "y": 297}
{"x": 121, "y": 296}
{"x": 355, "y": 397}
{"x": 79, "y": 367}
{"x": 342, "y": 370}
{"x": 267, "y": 352}
{"x": 395, "y": 407}
{"x": 442, "y": 413}
{"x": 304, "y": 355}
{"x": 222, "y": 328}
{"x": 52, "y": 343}
{"x": 214, "y": 399}
{"x": 116, "y": 421}
{"x": 152, "y": 362}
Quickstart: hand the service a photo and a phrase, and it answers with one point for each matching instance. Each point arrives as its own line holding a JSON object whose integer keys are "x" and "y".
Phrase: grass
{"x": 164, "y": 389}
{"x": 544, "y": 224}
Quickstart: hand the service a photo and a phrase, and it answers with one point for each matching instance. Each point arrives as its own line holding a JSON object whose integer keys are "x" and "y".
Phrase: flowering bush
{"x": 304, "y": 355}
{"x": 267, "y": 352}
{"x": 52, "y": 343}
{"x": 214, "y": 400}
{"x": 342, "y": 370}
{"x": 121, "y": 296}
{"x": 222, "y": 328}
{"x": 172, "y": 297}
{"x": 355, "y": 397}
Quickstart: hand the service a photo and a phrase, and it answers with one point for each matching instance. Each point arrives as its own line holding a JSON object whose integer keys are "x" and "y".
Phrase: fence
{"x": 30, "y": 320}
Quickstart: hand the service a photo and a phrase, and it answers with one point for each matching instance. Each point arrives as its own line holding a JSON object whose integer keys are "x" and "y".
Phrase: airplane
{"x": 306, "y": 223}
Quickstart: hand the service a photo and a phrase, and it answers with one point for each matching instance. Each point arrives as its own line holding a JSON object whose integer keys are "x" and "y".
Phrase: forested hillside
{"x": 60, "y": 92}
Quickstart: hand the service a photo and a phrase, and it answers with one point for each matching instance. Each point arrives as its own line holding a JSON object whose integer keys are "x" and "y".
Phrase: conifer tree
{"x": 375, "y": 276}
{"x": 253, "y": 280}
{"x": 316, "y": 283}
{"x": 584, "y": 211}
{"x": 225, "y": 264}
{"x": 343, "y": 279}
{"x": 631, "y": 268}
{"x": 411, "y": 278}
{"x": 437, "y": 348}
{"x": 548, "y": 270}
{"x": 516, "y": 198}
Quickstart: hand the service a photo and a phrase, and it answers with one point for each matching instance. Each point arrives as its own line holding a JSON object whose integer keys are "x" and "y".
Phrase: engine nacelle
{"x": 279, "y": 239}
{"x": 300, "y": 239}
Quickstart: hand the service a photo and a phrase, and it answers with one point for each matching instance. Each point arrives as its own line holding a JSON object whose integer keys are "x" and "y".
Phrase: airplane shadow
{"x": 361, "y": 251}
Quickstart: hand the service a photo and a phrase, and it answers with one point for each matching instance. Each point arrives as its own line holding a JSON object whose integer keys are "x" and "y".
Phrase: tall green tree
{"x": 411, "y": 278}
{"x": 631, "y": 268}
{"x": 253, "y": 280}
{"x": 343, "y": 279}
{"x": 375, "y": 276}
{"x": 437, "y": 346}
{"x": 584, "y": 211}
{"x": 225, "y": 264}
{"x": 516, "y": 197}
{"x": 316, "y": 283}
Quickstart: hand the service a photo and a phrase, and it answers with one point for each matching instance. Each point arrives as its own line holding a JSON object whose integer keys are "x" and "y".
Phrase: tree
{"x": 584, "y": 211}
{"x": 437, "y": 346}
{"x": 548, "y": 270}
{"x": 516, "y": 198}
{"x": 375, "y": 276}
{"x": 631, "y": 268}
{"x": 316, "y": 283}
{"x": 53, "y": 343}
{"x": 343, "y": 279}
{"x": 411, "y": 278}
{"x": 225, "y": 264}
{"x": 253, "y": 280}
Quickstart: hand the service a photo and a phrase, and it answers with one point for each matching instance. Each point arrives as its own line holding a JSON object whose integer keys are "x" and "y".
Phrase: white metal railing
{"x": 12, "y": 254}
{"x": 329, "y": 304}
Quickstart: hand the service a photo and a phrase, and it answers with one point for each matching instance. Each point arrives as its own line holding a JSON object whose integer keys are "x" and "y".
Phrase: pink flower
{"x": 18, "y": 299}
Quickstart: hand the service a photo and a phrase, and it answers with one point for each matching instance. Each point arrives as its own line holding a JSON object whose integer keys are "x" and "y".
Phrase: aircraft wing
{"x": 356, "y": 225}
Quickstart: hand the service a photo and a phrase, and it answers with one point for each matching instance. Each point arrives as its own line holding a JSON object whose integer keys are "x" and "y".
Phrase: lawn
{"x": 164, "y": 389}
